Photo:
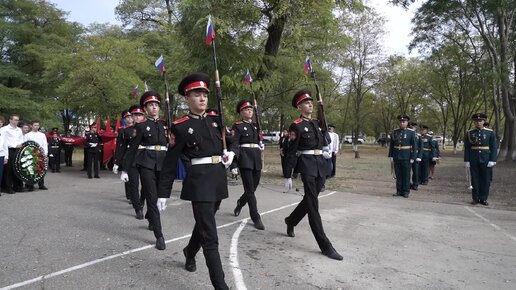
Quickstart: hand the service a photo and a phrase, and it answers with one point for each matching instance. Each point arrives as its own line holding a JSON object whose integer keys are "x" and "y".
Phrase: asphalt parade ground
{"x": 82, "y": 234}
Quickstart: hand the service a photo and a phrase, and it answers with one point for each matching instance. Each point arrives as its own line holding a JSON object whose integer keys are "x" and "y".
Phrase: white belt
{"x": 206, "y": 160}
{"x": 311, "y": 152}
{"x": 154, "y": 147}
{"x": 250, "y": 145}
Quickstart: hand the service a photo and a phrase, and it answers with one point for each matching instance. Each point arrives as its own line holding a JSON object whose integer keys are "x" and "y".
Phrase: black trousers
{"x": 402, "y": 171}
{"x": 334, "y": 162}
{"x": 131, "y": 188}
{"x": 284, "y": 166}
{"x": 149, "y": 179}
{"x": 12, "y": 182}
{"x": 68, "y": 150}
{"x": 310, "y": 205}
{"x": 415, "y": 173}
{"x": 480, "y": 180}
{"x": 424, "y": 166}
{"x": 92, "y": 160}
{"x": 41, "y": 184}
{"x": 54, "y": 162}
{"x": 204, "y": 235}
{"x": 250, "y": 180}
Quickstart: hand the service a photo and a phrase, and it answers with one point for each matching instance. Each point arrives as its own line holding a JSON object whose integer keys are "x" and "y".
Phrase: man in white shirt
{"x": 334, "y": 148}
{"x": 40, "y": 138}
{"x": 13, "y": 137}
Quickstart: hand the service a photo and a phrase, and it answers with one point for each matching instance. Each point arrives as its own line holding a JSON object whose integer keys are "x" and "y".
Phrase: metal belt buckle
{"x": 317, "y": 152}
{"x": 157, "y": 147}
{"x": 215, "y": 159}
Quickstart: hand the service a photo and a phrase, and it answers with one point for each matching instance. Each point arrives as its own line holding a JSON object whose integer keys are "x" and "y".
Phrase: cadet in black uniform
{"x": 248, "y": 147}
{"x": 198, "y": 141}
{"x": 122, "y": 141}
{"x": 305, "y": 156}
{"x": 480, "y": 157}
{"x": 402, "y": 151}
{"x": 147, "y": 151}
{"x": 91, "y": 147}
{"x": 68, "y": 148}
{"x": 54, "y": 152}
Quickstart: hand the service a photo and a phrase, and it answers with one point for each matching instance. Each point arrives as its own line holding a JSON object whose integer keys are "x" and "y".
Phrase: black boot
{"x": 290, "y": 229}
{"x": 237, "y": 209}
{"x": 332, "y": 254}
{"x": 160, "y": 244}
{"x": 190, "y": 262}
{"x": 259, "y": 225}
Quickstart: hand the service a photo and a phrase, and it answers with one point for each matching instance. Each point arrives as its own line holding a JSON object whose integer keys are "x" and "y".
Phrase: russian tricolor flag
{"x": 248, "y": 79}
{"x": 308, "y": 65}
{"x": 210, "y": 31}
{"x": 135, "y": 91}
{"x": 160, "y": 64}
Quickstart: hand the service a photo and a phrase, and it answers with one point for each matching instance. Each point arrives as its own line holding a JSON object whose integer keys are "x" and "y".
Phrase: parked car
{"x": 348, "y": 139}
{"x": 271, "y": 136}
{"x": 383, "y": 140}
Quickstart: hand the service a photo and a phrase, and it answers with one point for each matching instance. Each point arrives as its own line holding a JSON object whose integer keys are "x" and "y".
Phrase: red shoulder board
{"x": 238, "y": 122}
{"x": 298, "y": 120}
{"x": 179, "y": 121}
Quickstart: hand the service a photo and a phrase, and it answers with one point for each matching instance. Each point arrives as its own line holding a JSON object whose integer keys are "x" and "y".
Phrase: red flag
{"x": 108, "y": 125}
{"x": 118, "y": 125}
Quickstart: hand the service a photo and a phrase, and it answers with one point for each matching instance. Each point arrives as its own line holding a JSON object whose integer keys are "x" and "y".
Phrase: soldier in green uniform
{"x": 428, "y": 155}
{"x": 402, "y": 151}
{"x": 419, "y": 153}
{"x": 480, "y": 157}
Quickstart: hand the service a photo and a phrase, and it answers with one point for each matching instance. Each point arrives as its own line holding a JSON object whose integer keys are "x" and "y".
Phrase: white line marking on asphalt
{"x": 93, "y": 262}
{"x": 491, "y": 224}
{"x": 233, "y": 258}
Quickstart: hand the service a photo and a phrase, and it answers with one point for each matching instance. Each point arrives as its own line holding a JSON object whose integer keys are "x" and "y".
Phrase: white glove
{"x": 50, "y": 155}
{"x": 418, "y": 159}
{"x": 262, "y": 146}
{"x": 288, "y": 184}
{"x": 124, "y": 177}
{"x": 326, "y": 154}
{"x": 411, "y": 161}
{"x": 434, "y": 159}
{"x": 491, "y": 164}
{"x": 391, "y": 159}
{"x": 162, "y": 204}
{"x": 115, "y": 169}
{"x": 467, "y": 164}
{"x": 227, "y": 158}
{"x": 234, "y": 171}
{"x": 93, "y": 144}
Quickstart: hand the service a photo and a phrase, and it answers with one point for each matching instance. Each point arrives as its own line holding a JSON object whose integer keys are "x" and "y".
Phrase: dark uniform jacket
{"x": 419, "y": 146}
{"x": 54, "y": 147}
{"x": 308, "y": 137}
{"x": 403, "y": 145}
{"x": 196, "y": 137}
{"x": 148, "y": 133}
{"x": 480, "y": 146}
{"x": 124, "y": 138}
{"x": 92, "y": 142}
{"x": 428, "y": 147}
{"x": 246, "y": 133}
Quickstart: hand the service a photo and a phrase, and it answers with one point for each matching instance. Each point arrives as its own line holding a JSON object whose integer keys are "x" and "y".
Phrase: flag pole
{"x": 219, "y": 96}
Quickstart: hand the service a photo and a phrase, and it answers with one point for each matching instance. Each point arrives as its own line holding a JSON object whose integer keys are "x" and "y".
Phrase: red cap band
{"x": 127, "y": 114}
{"x": 137, "y": 111}
{"x": 196, "y": 85}
{"x": 150, "y": 99}
{"x": 245, "y": 105}
{"x": 302, "y": 98}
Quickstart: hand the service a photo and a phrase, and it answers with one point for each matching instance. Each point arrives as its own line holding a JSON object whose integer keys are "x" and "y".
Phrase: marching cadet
{"x": 146, "y": 152}
{"x": 122, "y": 141}
{"x": 305, "y": 156}
{"x": 248, "y": 147}
{"x": 68, "y": 148}
{"x": 198, "y": 141}
{"x": 54, "y": 152}
{"x": 480, "y": 157}
{"x": 134, "y": 115}
{"x": 402, "y": 151}
{"x": 91, "y": 146}
{"x": 419, "y": 154}
{"x": 428, "y": 155}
